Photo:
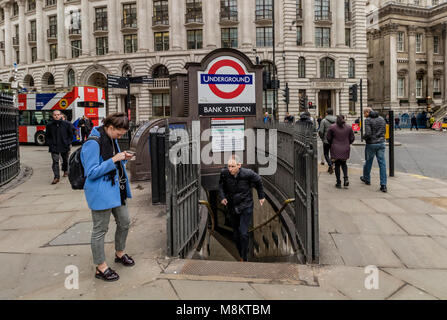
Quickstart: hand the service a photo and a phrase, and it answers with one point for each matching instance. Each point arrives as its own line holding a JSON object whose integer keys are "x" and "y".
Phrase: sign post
{"x": 118, "y": 82}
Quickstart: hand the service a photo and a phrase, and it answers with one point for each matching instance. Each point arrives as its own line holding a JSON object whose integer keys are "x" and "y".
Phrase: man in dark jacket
{"x": 414, "y": 123}
{"x": 86, "y": 126}
{"x": 322, "y": 132}
{"x": 235, "y": 186}
{"x": 59, "y": 136}
{"x": 305, "y": 117}
{"x": 375, "y": 128}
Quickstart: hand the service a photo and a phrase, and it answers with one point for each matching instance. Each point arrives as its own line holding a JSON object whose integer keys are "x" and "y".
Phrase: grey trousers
{"x": 55, "y": 167}
{"x": 101, "y": 221}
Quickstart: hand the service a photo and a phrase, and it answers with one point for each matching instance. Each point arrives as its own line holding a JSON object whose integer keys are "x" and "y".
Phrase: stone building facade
{"x": 320, "y": 46}
{"x": 407, "y": 55}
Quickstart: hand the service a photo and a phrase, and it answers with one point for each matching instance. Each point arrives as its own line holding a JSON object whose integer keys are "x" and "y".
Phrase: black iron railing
{"x": 9, "y": 139}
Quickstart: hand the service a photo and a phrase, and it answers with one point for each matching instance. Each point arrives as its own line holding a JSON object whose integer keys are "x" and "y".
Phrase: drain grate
{"x": 247, "y": 270}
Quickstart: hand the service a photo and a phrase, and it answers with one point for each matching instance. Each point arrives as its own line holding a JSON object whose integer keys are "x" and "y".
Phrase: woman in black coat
{"x": 340, "y": 136}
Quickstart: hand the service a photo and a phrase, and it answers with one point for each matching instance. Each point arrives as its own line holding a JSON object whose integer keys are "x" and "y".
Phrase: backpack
{"x": 76, "y": 169}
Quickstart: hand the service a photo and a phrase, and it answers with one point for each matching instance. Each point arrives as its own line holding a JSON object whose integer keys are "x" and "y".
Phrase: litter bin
{"x": 157, "y": 152}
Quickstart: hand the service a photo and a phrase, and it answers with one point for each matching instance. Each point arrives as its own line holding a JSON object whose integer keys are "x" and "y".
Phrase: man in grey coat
{"x": 326, "y": 123}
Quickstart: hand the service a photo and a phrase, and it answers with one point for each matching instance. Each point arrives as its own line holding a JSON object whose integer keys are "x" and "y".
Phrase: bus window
{"x": 90, "y": 104}
{"x": 24, "y": 118}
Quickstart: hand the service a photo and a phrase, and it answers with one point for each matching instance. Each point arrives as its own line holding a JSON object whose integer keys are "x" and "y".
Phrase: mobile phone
{"x": 130, "y": 152}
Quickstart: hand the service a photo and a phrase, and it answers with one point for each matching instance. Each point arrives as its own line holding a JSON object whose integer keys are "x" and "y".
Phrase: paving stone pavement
{"x": 401, "y": 234}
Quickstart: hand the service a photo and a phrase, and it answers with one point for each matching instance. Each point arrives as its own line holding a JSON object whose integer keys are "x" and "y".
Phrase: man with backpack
{"x": 59, "y": 136}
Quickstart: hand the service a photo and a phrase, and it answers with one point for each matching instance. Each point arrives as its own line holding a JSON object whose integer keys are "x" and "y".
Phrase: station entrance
{"x": 216, "y": 112}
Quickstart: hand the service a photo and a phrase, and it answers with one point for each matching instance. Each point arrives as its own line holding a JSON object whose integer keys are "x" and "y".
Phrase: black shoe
{"x": 338, "y": 185}
{"x": 125, "y": 260}
{"x": 383, "y": 189}
{"x": 364, "y": 181}
{"x": 346, "y": 183}
{"x": 330, "y": 170}
{"x": 108, "y": 275}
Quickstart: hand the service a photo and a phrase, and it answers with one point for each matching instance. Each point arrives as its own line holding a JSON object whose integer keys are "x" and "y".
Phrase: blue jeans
{"x": 371, "y": 151}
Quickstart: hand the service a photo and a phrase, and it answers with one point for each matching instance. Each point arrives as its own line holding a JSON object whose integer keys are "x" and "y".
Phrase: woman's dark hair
{"x": 341, "y": 121}
{"x": 118, "y": 120}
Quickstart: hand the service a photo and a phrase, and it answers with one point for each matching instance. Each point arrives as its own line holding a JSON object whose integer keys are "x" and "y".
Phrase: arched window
{"x": 160, "y": 72}
{"x": 51, "y": 80}
{"x": 48, "y": 79}
{"x": 71, "y": 78}
{"x": 28, "y": 81}
{"x": 327, "y": 68}
{"x": 351, "y": 69}
{"x": 301, "y": 67}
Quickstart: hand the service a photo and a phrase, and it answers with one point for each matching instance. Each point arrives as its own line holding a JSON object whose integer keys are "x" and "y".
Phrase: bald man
{"x": 235, "y": 190}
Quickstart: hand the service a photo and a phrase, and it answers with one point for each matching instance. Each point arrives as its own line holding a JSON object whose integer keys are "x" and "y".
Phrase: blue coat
{"x": 100, "y": 194}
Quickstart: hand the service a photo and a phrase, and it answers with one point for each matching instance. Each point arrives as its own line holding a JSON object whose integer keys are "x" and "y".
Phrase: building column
{"x": 340, "y": 23}
{"x": 143, "y": 39}
{"x": 429, "y": 50}
{"x": 412, "y": 64}
{"x": 40, "y": 32}
{"x": 211, "y": 34}
{"x": 177, "y": 21}
{"x": 308, "y": 32}
{"x": 445, "y": 62}
{"x": 22, "y": 32}
{"x": 393, "y": 69}
{"x": 85, "y": 27}
{"x": 246, "y": 24}
{"x": 114, "y": 21}
{"x": 8, "y": 35}
{"x": 337, "y": 102}
{"x": 61, "y": 30}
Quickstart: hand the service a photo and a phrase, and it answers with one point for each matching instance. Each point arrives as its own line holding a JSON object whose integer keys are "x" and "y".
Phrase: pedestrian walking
{"x": 414, "y": 123}
{"x": 235, "y": 190}
{"x": 106, "y": 190}
{"x": 397, "y": 123}
{"x": 326, "y": 123}
{"x": 289, "y": 118}
{"x": 319, "y": 121}
{"x": 340, "y": 137}
{"x": 86, "y": 126}
{"x": 305, "y": 117}
{"x": 59, "y": 136}
{"x": 267, "y": 118}
{"x": 375, "y": 128}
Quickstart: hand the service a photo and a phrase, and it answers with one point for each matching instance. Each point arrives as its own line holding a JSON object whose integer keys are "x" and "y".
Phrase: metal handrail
{"x": 274, "y": 216}
{"x": 210, "y": 212}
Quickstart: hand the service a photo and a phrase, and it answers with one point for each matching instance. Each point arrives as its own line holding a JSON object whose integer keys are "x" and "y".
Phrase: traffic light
{"x": 353, "y": 93}
{"x": 302, "y": 102}
{"x": 310, "y": 105}
{"x": 286, "y": 94}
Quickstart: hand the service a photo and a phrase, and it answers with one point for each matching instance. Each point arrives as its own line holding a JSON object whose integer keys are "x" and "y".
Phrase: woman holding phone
{"x": 106, "y": 190}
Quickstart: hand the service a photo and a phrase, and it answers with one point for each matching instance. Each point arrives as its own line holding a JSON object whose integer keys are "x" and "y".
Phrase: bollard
{"x": 391, "y": 142}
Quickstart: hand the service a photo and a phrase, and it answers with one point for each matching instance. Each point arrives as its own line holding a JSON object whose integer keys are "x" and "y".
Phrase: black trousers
{"x": 84, "y": 134}
{"x": 241, "y": 224}
{"x": 56, "y": 169}
{"x": 414, "y": 125}
{"x": 344, "y": 167}
{"x": 326, "y": 149}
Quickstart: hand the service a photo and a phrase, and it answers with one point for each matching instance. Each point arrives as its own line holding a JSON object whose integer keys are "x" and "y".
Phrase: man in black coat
{"x": 86, "y": 126}
{"x": 235, "y": 190}
{"x": 59, "y": 136}
{"x": 414, "y": 123}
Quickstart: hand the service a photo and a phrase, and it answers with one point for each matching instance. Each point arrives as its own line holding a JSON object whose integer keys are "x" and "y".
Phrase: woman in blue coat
{"x": 107, "y": 189}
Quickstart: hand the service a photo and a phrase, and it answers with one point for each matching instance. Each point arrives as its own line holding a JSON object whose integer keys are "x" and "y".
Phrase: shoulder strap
{"x": 93, "y": 138}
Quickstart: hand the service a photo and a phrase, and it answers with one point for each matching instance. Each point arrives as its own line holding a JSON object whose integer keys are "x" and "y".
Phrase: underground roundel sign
{"x": 226, "y": 88}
